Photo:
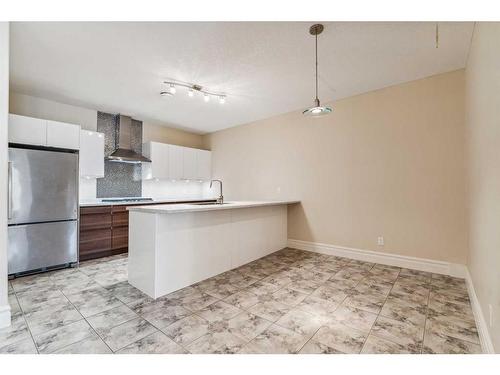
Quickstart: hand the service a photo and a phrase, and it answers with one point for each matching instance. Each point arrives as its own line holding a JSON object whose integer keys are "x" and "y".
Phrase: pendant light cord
{"x": 316, "y": 37}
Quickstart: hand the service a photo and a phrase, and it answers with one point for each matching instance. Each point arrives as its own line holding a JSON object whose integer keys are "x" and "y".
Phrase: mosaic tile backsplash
{"x": 120, "y": 179}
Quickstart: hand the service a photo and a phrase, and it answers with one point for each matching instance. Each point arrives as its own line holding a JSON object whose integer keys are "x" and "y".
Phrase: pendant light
{"x": 317, "y": 109}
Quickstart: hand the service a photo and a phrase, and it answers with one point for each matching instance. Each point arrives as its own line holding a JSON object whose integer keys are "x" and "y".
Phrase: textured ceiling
{"x": 266, "y": 68}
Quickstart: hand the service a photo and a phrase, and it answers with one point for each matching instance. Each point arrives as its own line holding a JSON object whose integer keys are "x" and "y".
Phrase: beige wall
{"x": 389, "y": 162}
{"x": 27, "y": 105}
{"x": 160, "y": 133}
{"x": 483, "y": 169}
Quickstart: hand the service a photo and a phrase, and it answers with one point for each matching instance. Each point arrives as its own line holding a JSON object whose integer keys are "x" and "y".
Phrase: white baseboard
{"x": 482, "y": 327}
{"x": 421, "y": 264}
{"x": 4, "y": 316}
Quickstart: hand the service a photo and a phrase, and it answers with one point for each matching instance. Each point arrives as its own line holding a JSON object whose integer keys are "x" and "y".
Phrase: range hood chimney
{"x": 123, "y": 143}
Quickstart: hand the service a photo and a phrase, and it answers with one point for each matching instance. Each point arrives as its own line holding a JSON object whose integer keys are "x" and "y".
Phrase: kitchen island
{"x": 173, "y": 246}
{"x": 104, "y": 224}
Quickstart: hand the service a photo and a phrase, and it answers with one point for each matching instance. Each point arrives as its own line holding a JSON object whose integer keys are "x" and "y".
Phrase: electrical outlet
{"x": 278, "y": 189}
{"x": 491, "y": 315}
{"x": 380, "y": 241}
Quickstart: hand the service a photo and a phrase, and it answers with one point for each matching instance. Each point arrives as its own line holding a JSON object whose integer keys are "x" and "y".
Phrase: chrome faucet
{"x": 220, "y": 199}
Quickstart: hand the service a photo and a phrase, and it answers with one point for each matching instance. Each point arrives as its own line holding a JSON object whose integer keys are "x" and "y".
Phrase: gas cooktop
{"x": 127, "y": 199}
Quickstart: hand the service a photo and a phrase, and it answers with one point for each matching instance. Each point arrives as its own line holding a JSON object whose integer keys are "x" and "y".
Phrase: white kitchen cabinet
{"x": 189, "y": 158}
{"x": 38, "y": 132}
{"x": 203, "y": 164}
{"x": 159, "y": 166}
{"x": 175, "y": 162}
{"x": 27, "y": 130}
{"x": 63, "y": 135}
{"x": 91, "y": 154}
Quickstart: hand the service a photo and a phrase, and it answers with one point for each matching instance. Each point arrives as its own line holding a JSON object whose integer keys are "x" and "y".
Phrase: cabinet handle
{"x": 9, "y": 187}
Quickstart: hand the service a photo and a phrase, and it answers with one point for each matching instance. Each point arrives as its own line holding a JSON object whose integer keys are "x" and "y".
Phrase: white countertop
{"x": 99, "y": 202}
{"x": 182, "y": 208}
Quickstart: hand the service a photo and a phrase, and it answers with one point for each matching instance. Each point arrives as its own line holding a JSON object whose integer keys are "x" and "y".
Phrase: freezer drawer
{"x": 35, "y": 246}
{"x": 43, "y": 186}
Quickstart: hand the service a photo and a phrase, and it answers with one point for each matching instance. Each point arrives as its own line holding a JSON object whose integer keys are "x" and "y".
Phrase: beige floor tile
{"x": 340, "y": 338}
{"x": 277, "y": 340}
{"x": 156, "y": 343}
{"x": 93, "y": 345}
{"x": 301, "y": 322}
{"x": 58, "y": 338}
{"x": 271, "y": 310}
{"x": 436, "y": 343}
{"x": 126, "y": 333}
{"x": 406, "y": 334}
{"x": 242, "y": 300}
{"x": 354, "y": 318}
{"x": 247, "y": 326}
{"x": 187, "y": 330}
{"x": 108, "y": 319}
{"x": 216, "y": 343}
{"x": 289, "y": 301}
{"x": 377, "y": 345}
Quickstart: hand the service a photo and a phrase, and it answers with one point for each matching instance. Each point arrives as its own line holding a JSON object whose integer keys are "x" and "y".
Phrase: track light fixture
{"x": 192, "y": 89}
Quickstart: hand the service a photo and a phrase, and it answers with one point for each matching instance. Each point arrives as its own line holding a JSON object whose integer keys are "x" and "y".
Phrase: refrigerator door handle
{"x": 9, "y": 203}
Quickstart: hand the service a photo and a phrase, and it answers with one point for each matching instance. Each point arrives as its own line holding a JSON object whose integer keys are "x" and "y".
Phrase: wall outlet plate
{"x": 380, "y": 241}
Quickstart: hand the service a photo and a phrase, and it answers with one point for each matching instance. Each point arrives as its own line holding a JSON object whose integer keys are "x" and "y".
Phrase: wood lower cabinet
{"x": 119, "y": 238}
{"x": 96, "y": 232}
{"x": 104, "y": 230}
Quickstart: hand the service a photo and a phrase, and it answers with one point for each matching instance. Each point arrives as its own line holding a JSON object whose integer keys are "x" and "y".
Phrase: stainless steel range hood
{"x": 123, "y": 143}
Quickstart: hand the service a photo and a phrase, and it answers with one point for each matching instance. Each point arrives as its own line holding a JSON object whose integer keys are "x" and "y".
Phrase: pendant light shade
{"x": 317, "y": 109}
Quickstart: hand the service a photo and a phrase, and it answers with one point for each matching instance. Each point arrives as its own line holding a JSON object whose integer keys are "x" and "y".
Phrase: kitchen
{"x": 153, "y": 209}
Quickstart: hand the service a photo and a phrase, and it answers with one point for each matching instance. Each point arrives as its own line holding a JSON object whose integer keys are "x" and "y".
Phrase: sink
{"x": 210, "y": 204}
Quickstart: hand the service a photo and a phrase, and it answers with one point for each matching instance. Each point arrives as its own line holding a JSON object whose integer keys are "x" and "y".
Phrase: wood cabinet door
{"x": 95, "y": 232}
{"x": 120, "y": 228}
{"x": 94, "y": 243}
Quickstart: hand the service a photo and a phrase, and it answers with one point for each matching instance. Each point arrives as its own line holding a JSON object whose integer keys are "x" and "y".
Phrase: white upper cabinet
{"x": 63, "y": 135}
{"x": 27, "y": 130}
{"x": 38, "y": 132}
{"x": 190, "y": 169}
{"x": 158, "y": 153}
{"x": 175, "y": 162}
{"x": 203, "y": 164}
{"x": 91, "y": 154}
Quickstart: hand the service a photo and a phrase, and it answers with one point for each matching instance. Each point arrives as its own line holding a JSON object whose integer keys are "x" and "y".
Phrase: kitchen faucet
{"x": 220, "y": 199}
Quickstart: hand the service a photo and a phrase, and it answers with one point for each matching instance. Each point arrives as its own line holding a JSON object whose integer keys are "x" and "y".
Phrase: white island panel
{"x": 190, "y": 248}
{"x": 141, "y": 261}
{"x": 170, "y": 251}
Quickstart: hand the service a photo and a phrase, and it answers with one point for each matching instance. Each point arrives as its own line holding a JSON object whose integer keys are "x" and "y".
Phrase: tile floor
{"x": 288, "y": 302}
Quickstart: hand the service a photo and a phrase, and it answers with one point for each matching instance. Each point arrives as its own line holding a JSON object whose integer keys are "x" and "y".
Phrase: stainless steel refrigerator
{"x": 42, "y": 209}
